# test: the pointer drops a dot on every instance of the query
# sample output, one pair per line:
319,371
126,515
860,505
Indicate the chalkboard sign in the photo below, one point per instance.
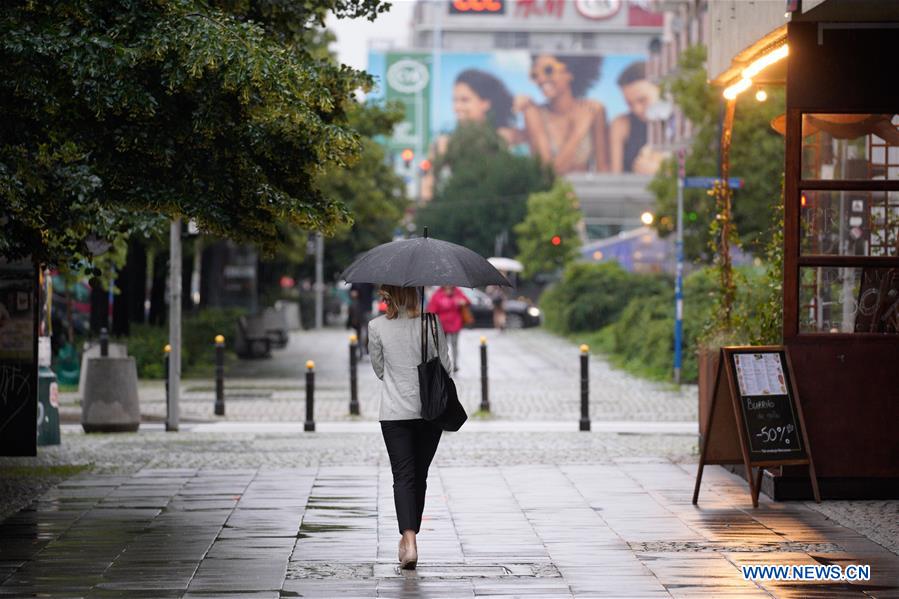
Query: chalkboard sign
755,417
772,427
18,359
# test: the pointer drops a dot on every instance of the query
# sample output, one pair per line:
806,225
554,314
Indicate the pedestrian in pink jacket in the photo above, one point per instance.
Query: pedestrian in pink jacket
447,303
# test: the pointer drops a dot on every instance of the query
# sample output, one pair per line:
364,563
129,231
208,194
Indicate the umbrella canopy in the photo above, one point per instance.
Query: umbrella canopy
421,262
506,264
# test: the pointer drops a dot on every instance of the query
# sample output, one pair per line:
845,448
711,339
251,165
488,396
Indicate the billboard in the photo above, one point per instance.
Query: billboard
577,113
405,77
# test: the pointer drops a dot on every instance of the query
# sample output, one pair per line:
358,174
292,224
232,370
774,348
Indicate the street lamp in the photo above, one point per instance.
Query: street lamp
679,278
646,218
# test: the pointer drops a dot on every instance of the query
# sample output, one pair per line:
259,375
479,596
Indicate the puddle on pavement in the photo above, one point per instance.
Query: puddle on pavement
321,570
735,547
309,530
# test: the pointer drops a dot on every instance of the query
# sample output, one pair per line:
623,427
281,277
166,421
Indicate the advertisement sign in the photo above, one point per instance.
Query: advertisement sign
487,7
578,113
405,77
601,14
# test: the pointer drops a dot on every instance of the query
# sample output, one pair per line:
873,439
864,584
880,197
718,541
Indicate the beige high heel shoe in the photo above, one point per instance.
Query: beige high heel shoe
408,557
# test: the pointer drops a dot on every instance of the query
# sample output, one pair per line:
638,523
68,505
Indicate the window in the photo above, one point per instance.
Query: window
848,224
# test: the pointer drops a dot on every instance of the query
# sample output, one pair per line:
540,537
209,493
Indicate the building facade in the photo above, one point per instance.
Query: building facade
512,52
685,24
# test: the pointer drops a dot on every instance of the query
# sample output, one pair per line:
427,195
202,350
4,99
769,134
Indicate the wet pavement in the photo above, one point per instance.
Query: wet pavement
519,503
620,527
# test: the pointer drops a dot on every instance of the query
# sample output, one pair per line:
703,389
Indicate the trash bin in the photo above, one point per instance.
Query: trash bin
47,407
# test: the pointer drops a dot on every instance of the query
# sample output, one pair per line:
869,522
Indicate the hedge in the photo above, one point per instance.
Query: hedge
146,342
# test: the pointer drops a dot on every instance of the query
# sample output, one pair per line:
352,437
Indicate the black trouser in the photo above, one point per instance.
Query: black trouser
411,445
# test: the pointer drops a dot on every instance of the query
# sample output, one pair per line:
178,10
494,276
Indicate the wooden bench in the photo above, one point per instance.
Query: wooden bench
275,322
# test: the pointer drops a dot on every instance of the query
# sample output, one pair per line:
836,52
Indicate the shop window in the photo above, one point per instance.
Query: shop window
849,223
849,300
850,146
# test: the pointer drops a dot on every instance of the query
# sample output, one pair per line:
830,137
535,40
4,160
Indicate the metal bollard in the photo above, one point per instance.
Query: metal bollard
485,398
354,382
219,375
585,387
309,425
104,342
165,367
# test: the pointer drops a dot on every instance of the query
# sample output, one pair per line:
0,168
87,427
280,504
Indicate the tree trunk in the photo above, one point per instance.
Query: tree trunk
99,306
130,282
136,302
157,291
187,272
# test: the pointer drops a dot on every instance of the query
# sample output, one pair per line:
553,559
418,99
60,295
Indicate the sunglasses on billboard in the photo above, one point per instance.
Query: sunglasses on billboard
546,71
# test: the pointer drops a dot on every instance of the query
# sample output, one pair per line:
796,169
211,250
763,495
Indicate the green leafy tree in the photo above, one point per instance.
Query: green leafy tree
550,214
118,113
373,193
485,193
756,157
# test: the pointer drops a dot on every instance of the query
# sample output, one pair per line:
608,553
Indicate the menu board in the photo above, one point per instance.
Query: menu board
760,374
755,417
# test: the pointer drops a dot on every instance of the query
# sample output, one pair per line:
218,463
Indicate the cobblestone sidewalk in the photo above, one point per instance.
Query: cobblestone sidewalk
533,376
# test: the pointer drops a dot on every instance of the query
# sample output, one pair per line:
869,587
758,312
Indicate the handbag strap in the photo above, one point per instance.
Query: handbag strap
424,337
428,322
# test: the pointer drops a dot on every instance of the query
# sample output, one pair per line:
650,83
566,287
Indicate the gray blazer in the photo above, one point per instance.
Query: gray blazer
395,350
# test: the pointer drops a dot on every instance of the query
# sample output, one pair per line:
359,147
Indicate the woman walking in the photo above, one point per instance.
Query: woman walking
394,343
447,303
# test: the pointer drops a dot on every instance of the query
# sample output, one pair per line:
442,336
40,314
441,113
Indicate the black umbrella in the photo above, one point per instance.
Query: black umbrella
421,262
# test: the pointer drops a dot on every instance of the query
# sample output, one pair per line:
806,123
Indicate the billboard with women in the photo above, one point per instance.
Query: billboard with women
578,113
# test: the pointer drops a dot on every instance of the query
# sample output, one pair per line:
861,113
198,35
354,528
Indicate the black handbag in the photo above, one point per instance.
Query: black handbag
439,400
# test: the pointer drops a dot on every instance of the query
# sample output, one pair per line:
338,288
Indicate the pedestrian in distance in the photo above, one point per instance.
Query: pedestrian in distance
361,297
395,346
498,299
448,303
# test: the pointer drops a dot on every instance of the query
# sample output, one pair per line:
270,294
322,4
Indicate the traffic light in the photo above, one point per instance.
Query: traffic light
556,240
407,155
425,165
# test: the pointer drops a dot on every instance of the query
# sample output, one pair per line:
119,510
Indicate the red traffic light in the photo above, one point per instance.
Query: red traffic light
407,155
425,165
556,240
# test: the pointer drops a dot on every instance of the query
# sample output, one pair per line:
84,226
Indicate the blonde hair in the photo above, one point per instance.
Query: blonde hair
400,298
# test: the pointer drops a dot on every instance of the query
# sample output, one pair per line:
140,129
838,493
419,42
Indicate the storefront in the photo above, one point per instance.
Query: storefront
841,236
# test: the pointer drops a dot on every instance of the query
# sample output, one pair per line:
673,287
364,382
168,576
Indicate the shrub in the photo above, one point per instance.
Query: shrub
641,340
591,296
146,342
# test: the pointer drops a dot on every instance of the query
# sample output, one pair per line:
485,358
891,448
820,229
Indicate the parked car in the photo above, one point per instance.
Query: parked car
520,313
